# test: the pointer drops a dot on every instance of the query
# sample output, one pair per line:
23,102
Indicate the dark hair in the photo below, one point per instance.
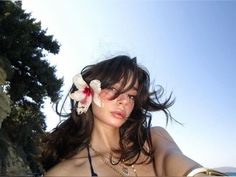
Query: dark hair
74,134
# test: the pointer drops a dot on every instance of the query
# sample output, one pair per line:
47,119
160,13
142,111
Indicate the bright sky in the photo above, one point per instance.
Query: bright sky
189,48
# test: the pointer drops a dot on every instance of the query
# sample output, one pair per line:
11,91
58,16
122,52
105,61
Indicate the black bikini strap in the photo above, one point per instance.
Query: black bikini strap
90,163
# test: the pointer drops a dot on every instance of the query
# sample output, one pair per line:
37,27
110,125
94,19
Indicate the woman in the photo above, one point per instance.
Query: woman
108,132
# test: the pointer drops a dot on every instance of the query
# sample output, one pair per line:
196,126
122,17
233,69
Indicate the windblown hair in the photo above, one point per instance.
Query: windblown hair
74,134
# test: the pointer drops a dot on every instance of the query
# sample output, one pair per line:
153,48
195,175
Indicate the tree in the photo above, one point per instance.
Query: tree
4,112
29,78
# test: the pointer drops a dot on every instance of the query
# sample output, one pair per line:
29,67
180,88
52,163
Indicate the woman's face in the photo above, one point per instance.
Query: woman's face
114,112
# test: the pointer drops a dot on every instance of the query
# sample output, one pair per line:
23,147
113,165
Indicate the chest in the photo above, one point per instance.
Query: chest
103,167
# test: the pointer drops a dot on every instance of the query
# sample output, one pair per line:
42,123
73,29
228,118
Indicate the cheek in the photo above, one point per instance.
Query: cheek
95,109
106,95
130,107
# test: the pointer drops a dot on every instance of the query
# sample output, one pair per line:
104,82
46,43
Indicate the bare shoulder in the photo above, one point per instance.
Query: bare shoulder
70,167
162,140
170,159
159,131
60,169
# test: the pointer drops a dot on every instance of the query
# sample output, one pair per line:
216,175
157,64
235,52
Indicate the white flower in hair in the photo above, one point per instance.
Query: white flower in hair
85,94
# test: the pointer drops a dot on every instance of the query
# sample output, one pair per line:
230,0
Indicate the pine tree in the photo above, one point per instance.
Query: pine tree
24,47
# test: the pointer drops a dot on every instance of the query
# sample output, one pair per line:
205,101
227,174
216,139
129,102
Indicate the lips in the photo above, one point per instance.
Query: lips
118,114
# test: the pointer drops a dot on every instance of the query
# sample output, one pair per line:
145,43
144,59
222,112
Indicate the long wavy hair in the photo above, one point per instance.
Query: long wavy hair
74,134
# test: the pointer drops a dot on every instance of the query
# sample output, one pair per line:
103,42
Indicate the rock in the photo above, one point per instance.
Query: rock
14,164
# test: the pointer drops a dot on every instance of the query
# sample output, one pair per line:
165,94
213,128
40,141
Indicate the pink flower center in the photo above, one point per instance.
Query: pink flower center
87,91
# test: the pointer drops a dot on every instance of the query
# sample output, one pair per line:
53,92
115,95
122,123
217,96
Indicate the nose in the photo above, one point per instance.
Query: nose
123,99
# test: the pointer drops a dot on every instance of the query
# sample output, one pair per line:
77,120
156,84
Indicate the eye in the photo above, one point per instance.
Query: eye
132,97
114,90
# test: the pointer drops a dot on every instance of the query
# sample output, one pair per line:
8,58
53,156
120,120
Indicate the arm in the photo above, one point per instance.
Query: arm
168,158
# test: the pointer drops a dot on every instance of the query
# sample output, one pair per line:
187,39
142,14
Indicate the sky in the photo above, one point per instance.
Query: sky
189,48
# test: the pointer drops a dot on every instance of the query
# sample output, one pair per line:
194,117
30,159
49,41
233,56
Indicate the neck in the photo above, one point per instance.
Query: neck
104,137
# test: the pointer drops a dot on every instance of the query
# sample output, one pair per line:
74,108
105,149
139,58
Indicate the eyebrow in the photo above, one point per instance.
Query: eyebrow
135,88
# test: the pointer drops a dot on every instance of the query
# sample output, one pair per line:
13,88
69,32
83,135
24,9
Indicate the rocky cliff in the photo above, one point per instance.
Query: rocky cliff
13,164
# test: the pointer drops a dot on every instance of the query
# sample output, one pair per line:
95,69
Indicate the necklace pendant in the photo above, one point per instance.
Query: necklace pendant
125,171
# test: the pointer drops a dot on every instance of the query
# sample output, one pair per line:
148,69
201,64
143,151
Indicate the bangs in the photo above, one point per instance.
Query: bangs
120,69
116,70
128,81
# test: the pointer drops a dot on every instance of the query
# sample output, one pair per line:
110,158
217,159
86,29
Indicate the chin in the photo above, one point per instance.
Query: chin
117,124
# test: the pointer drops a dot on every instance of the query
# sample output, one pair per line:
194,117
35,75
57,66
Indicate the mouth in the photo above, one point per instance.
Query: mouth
118,114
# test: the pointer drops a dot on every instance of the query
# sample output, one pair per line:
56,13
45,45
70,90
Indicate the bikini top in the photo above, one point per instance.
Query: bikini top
93,173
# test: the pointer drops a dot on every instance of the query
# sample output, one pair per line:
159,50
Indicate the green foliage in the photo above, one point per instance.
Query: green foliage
29,78
24,44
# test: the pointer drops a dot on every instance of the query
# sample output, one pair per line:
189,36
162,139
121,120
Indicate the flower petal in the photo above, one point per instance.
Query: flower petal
96,86
83,95
84,104
79,82
97,100
77,95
